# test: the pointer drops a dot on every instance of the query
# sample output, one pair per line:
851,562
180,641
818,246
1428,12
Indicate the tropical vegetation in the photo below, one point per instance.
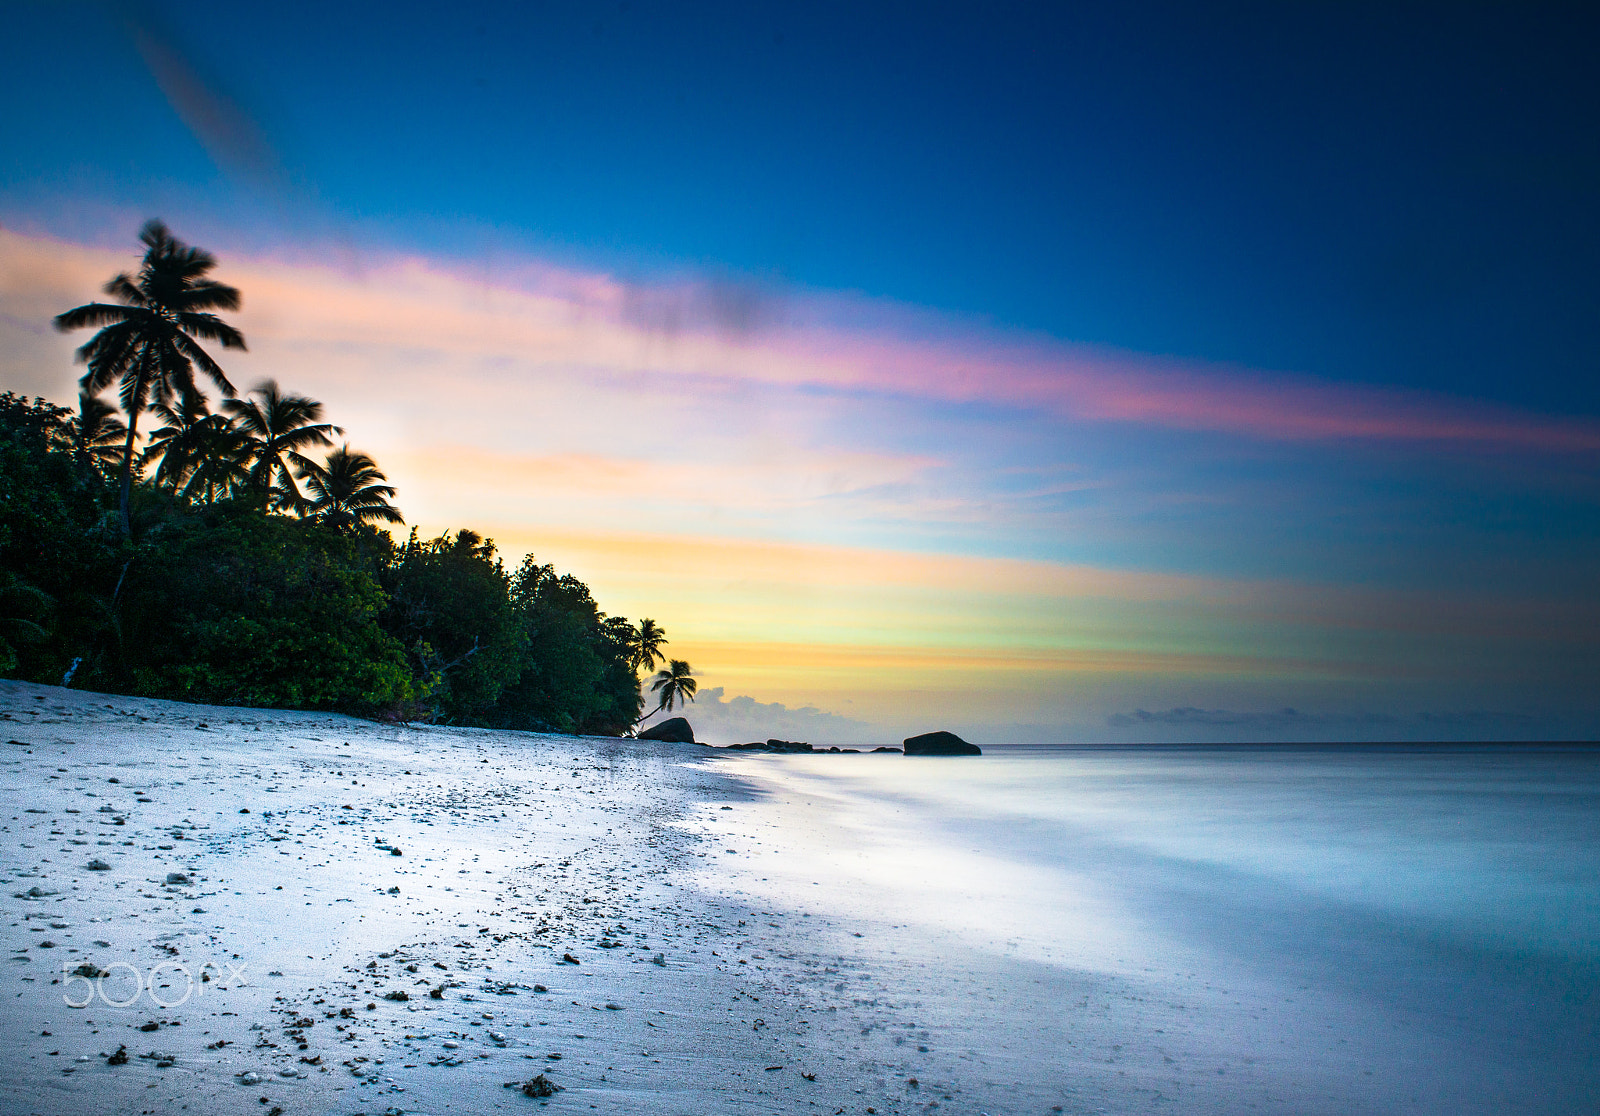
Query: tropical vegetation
234,554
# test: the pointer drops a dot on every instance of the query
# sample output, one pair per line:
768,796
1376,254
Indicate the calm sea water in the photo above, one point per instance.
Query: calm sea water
1358,928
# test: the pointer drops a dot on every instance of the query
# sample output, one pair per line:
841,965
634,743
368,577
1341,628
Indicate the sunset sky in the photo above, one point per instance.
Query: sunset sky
1113,373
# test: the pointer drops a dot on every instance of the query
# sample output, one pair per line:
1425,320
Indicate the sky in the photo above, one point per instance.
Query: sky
1040,372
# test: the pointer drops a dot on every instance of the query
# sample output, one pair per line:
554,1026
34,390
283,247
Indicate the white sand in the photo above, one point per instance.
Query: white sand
514,849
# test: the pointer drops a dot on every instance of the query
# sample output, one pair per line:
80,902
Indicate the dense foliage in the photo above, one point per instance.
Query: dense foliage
224,600
210,558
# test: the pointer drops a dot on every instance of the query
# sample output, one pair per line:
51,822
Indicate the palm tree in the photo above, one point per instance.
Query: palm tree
278,427
647,641
148,340
201,455
348,490
674,684
95,433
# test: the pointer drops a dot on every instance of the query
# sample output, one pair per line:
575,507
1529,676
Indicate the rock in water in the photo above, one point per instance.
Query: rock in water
940,744
674,730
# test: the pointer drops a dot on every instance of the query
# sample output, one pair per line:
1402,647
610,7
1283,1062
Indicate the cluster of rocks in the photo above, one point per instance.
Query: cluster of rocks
677,730
784,746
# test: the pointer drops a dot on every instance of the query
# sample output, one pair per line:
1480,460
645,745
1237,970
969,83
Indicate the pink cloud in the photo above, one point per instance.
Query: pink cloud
538,320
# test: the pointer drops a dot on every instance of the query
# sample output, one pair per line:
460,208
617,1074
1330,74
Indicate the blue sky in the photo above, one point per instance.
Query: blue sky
1292,295
1387,193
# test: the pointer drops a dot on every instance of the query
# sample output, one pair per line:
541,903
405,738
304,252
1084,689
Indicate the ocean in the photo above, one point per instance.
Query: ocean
1330,928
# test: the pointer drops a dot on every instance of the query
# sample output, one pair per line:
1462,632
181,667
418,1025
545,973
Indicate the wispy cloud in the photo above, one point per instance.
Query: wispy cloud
539,321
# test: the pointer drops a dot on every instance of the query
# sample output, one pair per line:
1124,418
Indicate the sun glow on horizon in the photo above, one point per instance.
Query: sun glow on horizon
879,512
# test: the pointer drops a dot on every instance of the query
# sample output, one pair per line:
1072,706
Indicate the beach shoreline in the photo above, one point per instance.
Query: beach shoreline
298,885
377,919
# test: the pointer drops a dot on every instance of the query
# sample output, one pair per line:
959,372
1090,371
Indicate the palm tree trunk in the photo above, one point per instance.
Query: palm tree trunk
127,472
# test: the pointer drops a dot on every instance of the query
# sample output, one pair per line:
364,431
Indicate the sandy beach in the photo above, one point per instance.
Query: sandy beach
275,912
308,913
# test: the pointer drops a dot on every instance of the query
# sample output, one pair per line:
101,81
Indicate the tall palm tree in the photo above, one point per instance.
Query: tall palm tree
201,456
348,490
647,641
278,427
674,684
96,433
149,341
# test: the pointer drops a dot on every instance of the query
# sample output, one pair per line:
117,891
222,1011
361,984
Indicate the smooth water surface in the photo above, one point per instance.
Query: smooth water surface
1408,928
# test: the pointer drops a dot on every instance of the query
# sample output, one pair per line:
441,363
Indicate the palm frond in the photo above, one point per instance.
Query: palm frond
208,294
92,314
211,328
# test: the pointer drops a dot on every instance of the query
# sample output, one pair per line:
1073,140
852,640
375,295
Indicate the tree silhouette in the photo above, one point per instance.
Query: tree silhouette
96,434
348,490
647,642
277,427
674,684
201,456
148,341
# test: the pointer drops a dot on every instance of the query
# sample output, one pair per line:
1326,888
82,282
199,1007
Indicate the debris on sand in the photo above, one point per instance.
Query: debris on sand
538,1086
120,1058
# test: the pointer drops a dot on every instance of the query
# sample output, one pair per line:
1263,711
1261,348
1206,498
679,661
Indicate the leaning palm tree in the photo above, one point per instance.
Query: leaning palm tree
348,490
647,641
96,433
199,455
148,341
278,427
674,684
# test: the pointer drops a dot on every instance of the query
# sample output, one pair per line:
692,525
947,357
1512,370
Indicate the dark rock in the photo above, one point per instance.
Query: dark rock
674,730
896,751
541,1086
788,746
940,744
